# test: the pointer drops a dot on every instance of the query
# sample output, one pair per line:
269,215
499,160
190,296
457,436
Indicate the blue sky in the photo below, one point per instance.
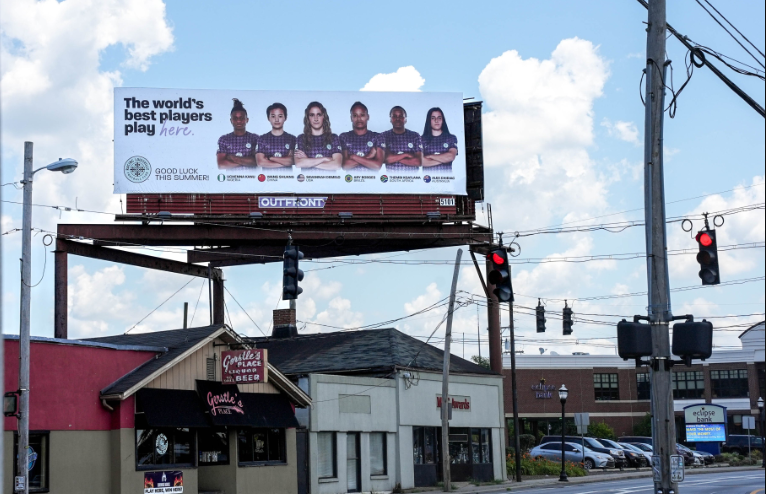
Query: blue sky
566,148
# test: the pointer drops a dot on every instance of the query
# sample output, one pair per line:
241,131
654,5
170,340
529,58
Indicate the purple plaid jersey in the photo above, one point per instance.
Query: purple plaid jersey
239,146
408,142
275,146
319,149
360,145
437,145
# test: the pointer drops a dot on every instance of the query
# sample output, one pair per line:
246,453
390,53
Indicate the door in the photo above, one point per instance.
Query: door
302,460
353,463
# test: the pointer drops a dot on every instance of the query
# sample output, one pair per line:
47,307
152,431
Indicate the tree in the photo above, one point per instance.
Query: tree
601,430
644,428
479,360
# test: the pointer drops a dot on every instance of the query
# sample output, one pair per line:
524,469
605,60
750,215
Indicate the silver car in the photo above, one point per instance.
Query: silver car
573,452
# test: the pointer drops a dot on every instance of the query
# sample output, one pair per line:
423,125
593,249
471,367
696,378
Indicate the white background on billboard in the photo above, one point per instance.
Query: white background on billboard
192,149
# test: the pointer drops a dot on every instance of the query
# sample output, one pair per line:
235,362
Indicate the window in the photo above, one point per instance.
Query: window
378,453
480,446
213,446
424,445
327,466
551,447
688,385
210,369
643,386
261,446
729,383
39,480
164,447
606,387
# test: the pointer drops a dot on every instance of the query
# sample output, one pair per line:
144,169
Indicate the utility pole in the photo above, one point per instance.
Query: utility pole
445,379
516,431
663,417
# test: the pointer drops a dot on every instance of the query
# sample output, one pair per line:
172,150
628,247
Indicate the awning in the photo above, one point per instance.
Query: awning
226,406
171,408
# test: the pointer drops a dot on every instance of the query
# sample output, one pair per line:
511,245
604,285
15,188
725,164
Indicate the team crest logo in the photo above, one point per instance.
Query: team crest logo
369,144
384,178
349,178
301,177
383,144
427,179
445,145
287,146
409,145
137,169
329,146
248,145
261,177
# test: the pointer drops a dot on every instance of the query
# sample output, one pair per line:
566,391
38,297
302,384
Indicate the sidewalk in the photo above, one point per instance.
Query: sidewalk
465,487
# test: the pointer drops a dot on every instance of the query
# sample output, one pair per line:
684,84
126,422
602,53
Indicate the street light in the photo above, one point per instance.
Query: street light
563,393
66,165
763,434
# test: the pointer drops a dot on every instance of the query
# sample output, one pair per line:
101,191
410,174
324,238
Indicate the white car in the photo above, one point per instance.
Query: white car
574,453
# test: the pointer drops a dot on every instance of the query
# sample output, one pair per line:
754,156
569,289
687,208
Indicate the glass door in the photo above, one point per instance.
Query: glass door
353,464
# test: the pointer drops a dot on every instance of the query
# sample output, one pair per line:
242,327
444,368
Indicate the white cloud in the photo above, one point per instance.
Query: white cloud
625,131
404,79
56,94
93,303
338,313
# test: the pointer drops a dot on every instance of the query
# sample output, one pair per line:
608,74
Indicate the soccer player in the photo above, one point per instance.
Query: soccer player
317,149
275,148
404,149
361,147
237,148
439,146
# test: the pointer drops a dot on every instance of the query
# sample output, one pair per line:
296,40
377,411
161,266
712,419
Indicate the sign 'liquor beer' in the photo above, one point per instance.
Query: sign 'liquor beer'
244,366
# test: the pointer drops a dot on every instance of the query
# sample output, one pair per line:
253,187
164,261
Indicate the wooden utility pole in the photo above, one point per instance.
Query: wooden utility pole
445,408
663,417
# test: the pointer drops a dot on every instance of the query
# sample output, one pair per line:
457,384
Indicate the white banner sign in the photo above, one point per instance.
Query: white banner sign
237,141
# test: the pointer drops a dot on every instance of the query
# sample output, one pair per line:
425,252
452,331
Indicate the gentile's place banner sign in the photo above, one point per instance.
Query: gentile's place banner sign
237,141
244,366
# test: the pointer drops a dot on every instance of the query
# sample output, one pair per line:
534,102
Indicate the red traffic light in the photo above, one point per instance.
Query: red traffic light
497,258
704,239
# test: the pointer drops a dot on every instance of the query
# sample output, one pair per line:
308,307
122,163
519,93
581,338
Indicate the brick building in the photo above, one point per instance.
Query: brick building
616,392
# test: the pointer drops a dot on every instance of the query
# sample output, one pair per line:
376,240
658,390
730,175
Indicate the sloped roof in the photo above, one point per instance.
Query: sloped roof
372,351
178,342
755,327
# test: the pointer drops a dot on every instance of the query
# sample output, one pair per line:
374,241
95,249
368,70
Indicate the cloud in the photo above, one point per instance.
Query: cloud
625,131
93,303
404,79
56,94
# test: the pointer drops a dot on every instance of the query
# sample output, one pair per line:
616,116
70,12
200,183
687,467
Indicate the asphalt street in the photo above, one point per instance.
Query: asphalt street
747,482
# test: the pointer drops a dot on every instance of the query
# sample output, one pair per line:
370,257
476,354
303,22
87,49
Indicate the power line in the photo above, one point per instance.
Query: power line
163,303
243,310
729,32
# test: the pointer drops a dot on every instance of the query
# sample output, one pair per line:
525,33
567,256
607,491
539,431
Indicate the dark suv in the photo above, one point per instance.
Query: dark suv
737,443
636,439
594,444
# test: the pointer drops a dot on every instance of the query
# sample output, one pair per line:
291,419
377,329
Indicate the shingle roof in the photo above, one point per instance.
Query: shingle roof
372,351
176,341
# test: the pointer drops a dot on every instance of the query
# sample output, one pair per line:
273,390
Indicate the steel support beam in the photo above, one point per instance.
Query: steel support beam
219,316
60,309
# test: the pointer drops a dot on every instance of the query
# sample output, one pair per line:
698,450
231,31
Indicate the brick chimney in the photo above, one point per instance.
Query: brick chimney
284,324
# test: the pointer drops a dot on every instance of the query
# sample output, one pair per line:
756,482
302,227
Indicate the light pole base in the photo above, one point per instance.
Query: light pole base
563,477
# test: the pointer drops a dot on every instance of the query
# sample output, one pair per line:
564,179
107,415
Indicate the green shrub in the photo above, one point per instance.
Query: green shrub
601,430
527,441
541,466
643,428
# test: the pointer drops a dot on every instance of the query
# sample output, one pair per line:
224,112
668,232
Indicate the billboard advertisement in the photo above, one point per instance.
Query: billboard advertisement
705,433
238,141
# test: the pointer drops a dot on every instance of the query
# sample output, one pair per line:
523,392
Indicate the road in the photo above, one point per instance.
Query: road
747,482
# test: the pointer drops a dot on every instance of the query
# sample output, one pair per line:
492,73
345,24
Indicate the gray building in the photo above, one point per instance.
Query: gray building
375,422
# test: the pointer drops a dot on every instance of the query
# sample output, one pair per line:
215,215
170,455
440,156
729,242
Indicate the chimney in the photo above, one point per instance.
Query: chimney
284,324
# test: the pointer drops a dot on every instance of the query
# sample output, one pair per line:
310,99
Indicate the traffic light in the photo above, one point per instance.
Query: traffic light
500,275
634,340
693,340
540,317
291,274
708,257
567,320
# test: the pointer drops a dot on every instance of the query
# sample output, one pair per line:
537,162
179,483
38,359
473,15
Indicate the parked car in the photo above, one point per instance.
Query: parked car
707,458
636,439
647,454
737,443
573,452
647,448
635,459
697,458
689,459
591,443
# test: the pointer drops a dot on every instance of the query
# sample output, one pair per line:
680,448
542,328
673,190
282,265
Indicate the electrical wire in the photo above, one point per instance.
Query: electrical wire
163,303
243,310
729,32
202,286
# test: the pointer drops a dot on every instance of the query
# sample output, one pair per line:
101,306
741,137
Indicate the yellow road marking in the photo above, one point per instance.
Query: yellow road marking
757,491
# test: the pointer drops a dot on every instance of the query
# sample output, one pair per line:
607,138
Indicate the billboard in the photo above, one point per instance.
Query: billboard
705,433
238,141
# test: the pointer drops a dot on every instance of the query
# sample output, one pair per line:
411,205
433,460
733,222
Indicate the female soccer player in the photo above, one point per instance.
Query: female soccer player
361,146
237,149
439,146
275,148
317,148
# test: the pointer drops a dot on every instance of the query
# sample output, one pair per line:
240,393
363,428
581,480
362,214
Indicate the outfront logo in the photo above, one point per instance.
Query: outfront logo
137,169
221,177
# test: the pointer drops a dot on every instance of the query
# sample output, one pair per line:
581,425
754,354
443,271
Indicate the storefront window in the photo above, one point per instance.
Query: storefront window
688,385
257,446
458,446
213,446
606,387
378,448
480,446
327,466
37,455
417,445
164,446
642,385
729,383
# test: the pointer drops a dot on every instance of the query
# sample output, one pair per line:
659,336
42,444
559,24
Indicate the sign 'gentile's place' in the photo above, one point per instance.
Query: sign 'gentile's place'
244,366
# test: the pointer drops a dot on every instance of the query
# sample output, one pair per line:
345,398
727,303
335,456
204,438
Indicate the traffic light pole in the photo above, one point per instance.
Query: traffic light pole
663,417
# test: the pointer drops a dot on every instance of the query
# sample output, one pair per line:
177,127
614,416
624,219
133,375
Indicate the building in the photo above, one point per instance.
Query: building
121,413
614,391
375,422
